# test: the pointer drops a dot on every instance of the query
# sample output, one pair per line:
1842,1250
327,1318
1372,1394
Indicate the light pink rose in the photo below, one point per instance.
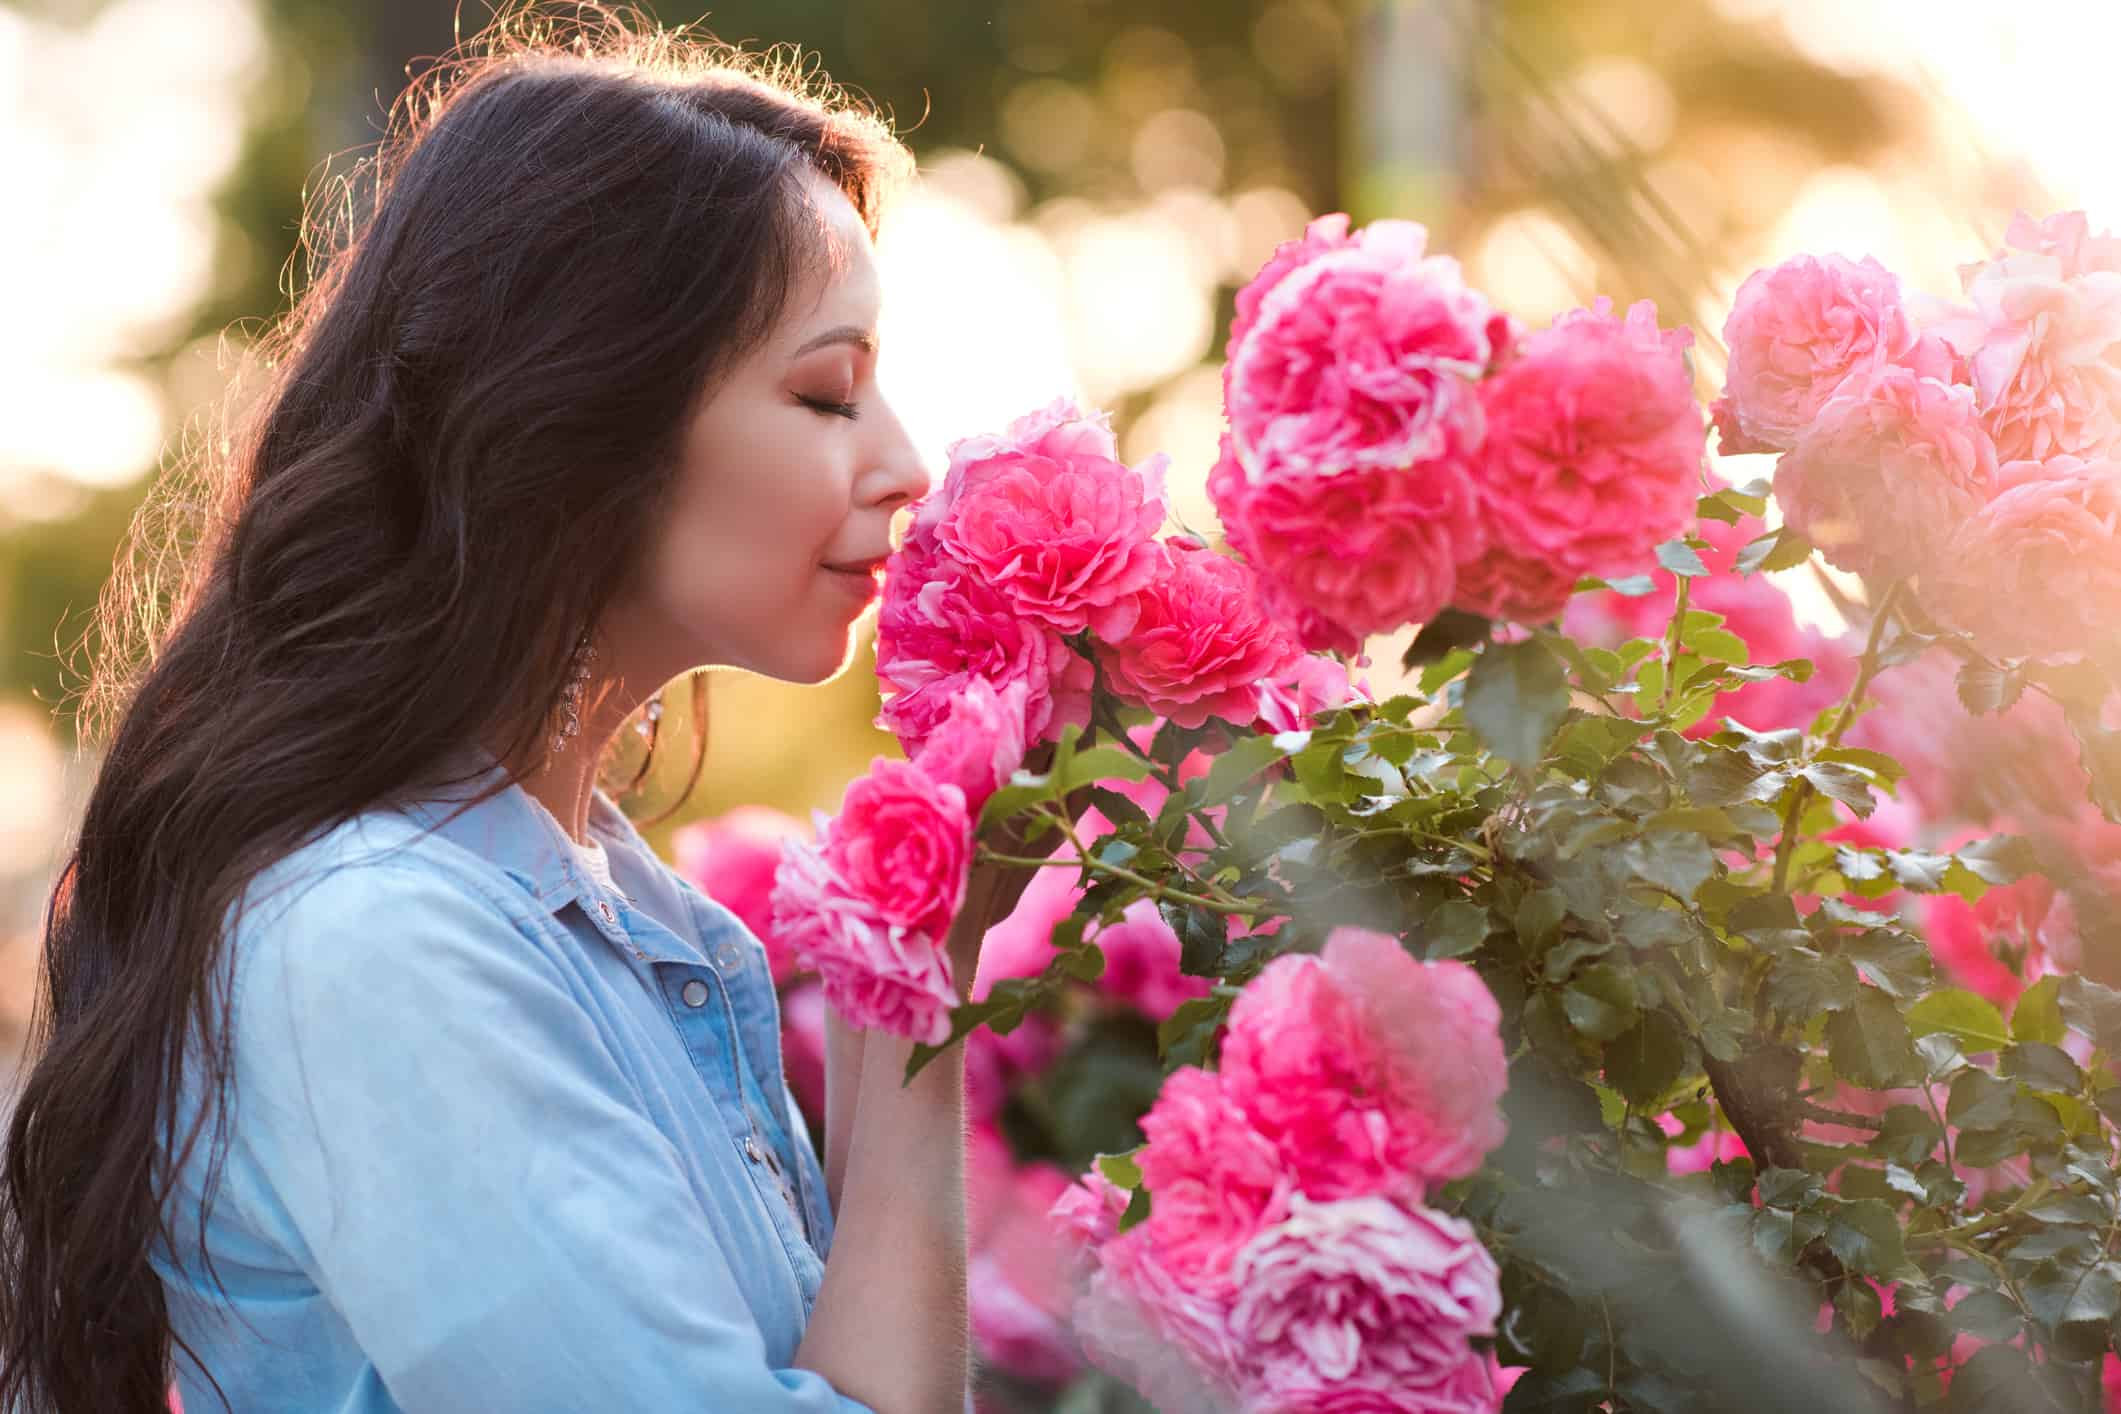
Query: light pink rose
1887,473
1800,331
1088,1213
1201,642
942,627
980,743
731,859
1050,520
903,841
876,974
1307,691
1361,352
1441,1024
803,1047
1593,457
2042,340
2057,527
1342,557
1158,1332
1363,1294
1141,963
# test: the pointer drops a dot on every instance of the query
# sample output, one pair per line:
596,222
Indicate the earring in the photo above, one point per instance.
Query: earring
571,700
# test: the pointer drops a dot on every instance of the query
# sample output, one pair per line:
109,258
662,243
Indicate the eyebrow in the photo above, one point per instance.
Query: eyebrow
841,334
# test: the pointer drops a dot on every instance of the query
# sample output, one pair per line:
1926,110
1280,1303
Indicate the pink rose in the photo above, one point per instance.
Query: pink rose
1359,352
1141,963
2043,340
1345,556
1593,457
1441,1024
1309,689
1088,1213
980,743
1159,1333
1048,518
1213,1180
731,859
876,974
803,1047
1799,332
1363,1294
1301,1063
1887,473
1200,644
942,627
2058,526
903,841
2007,940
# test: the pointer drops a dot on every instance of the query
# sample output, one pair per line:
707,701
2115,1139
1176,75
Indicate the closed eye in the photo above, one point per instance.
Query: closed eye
827,405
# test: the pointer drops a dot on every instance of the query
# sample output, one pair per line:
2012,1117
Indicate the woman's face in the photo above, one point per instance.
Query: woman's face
789,476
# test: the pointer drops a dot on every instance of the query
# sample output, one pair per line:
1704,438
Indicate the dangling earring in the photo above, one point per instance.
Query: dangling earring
648,729
585,653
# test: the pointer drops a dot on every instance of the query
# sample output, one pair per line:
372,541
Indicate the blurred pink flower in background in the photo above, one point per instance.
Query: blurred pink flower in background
1798,332
731,859
1887,472
2036,572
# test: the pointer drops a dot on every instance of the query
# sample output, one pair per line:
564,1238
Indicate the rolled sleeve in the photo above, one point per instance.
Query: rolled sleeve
461,1166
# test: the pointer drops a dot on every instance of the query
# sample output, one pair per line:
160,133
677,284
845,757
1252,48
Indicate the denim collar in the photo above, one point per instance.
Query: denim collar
515,831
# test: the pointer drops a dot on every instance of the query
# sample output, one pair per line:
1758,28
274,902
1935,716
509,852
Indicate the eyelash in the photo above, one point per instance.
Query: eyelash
826,405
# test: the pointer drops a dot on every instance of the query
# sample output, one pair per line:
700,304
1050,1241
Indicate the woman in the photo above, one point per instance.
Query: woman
383,1066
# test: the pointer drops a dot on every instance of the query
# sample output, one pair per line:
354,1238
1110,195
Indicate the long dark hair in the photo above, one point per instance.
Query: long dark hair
468,422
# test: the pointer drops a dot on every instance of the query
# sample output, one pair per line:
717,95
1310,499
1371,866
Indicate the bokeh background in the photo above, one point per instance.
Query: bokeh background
1098,176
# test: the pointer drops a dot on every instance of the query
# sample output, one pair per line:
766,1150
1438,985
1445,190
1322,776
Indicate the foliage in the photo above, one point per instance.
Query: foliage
1677,949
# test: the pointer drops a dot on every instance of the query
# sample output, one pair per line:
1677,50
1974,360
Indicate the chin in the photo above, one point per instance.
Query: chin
824,662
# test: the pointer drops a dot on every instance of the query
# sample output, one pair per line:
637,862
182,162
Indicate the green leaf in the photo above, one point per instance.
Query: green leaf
1869,1044
1984,688
1137,1209
1973,1020
1516,696
2038,1014
1453,929
1444,669
1681,862
2091,1010
1865,1235
1116,807
1187,1035
1679,557
1448,632
1202,935
1896,963
1099,763
1779,549
2043,1067
1120,1169
1246,758
1644,1061
1600,1002
1843,783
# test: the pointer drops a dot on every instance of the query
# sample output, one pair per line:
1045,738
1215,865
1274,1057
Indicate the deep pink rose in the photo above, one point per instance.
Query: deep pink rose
1441,1024
1309,689
980,743
1141,963
2057,527
1201,642
1345,556
1798,332
1593,457
903,841
876,974
942,627
1887,473
1364,1294
1213,1180
1050,520
2011,938
731,859
1360,352
803,1047
2043,340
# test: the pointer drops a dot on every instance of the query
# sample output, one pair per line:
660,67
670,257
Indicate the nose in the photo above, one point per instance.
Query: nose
897,475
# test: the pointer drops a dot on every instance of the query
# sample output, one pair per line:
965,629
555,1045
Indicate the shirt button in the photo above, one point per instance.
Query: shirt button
695,993
752,1150
727,956
604,908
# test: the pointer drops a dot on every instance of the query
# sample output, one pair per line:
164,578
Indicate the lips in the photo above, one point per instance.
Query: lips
858,567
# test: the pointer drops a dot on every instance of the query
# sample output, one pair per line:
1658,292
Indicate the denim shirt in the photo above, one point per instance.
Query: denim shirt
499,1138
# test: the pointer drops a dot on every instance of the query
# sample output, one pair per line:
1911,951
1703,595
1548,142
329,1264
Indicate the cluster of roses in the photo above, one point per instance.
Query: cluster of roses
1969,447
1396,446
1287,1260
